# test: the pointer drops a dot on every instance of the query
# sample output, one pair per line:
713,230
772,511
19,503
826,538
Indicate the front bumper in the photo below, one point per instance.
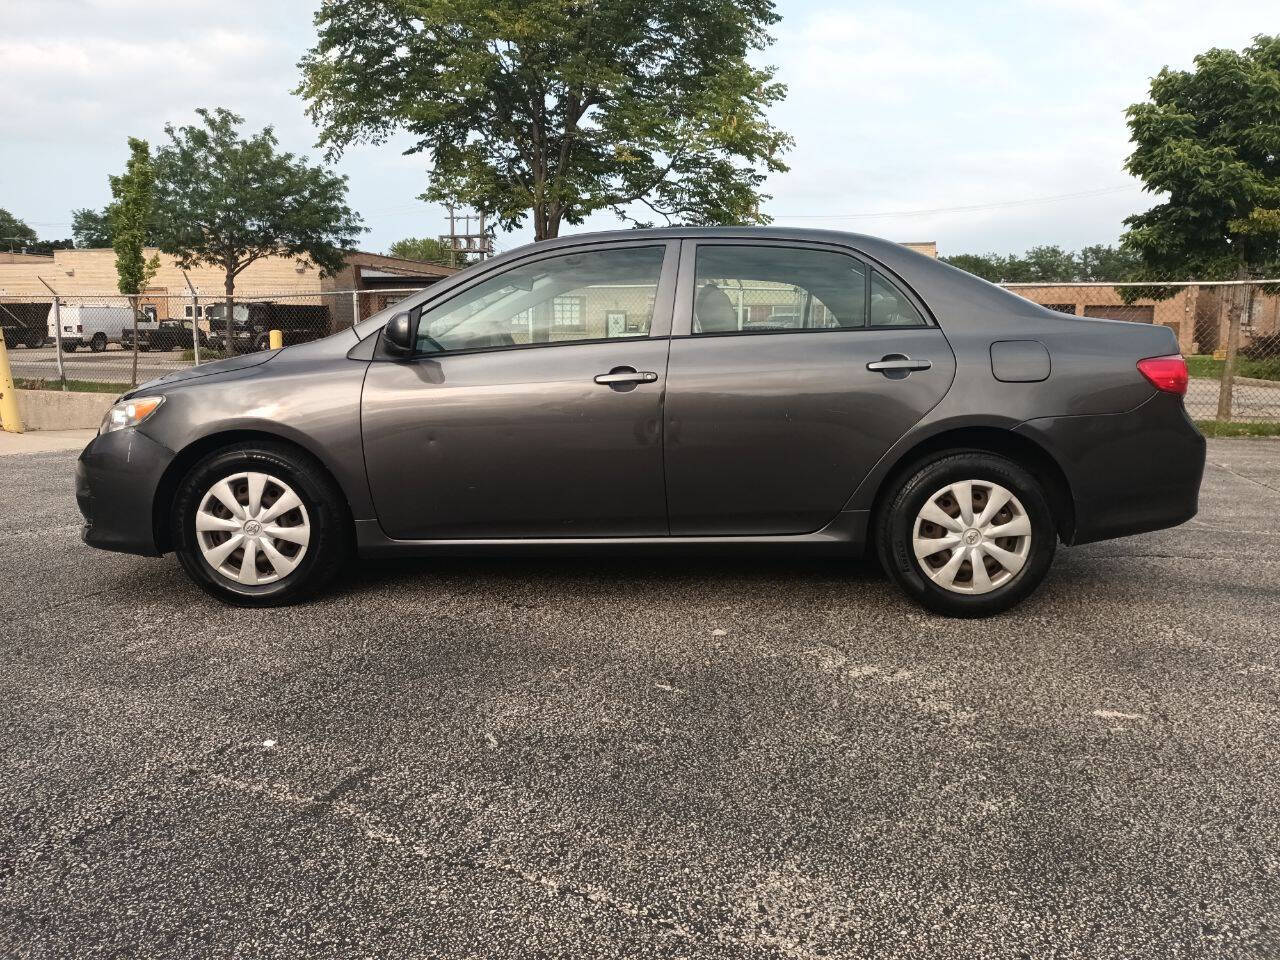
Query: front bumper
117,476
1128,472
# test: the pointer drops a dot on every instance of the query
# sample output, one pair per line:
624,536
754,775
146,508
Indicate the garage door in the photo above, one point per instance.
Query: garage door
1122,312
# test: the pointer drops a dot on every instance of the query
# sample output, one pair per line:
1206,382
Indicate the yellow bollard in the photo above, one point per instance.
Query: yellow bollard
277,339
9,419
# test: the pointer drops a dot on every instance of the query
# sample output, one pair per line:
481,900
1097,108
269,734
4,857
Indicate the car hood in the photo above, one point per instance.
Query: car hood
206,370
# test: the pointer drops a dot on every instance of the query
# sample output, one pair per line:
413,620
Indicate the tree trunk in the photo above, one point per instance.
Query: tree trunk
230,307
133,379
1241,296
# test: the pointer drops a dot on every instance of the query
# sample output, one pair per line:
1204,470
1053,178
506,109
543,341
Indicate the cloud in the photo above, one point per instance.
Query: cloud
893,108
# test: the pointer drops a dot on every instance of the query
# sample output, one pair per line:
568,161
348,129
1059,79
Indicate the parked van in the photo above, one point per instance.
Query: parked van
89,324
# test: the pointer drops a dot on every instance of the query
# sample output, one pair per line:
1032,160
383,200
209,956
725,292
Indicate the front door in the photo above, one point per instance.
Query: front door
532,407
798,368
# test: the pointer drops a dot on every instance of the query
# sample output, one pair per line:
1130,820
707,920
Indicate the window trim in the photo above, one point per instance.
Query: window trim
659,328
682,325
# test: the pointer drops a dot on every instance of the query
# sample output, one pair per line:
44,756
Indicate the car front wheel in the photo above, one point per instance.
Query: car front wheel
260,525
968,534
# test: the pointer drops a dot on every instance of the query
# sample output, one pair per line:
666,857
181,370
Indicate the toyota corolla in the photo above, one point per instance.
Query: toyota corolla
701,389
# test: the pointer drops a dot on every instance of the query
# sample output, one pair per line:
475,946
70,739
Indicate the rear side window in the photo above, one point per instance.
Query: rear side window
746,289
890,306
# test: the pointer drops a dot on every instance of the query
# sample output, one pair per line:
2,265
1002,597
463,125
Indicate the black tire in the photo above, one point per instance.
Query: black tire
98,342
35,340
896,519
262,343
327,551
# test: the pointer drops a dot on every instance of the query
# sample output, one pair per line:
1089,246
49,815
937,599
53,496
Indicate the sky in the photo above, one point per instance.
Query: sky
984,126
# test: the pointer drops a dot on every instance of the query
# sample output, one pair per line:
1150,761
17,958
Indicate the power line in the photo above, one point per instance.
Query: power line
968,208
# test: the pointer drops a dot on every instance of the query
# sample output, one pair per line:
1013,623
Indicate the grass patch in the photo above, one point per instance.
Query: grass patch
206,355
1235,428
77,386
1204,365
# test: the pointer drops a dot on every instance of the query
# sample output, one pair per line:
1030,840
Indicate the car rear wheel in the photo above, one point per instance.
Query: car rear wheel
260,525
967,534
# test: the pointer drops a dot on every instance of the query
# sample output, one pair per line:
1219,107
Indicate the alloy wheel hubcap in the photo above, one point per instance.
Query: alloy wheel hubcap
972,537
252,528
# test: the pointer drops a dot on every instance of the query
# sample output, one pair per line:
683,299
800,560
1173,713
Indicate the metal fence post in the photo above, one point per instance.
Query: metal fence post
355,307
195,319
57,331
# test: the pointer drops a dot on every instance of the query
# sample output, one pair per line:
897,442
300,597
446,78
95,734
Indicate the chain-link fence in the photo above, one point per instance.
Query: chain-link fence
1228,331
108,343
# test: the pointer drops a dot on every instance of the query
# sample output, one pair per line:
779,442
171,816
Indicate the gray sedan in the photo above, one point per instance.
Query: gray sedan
700,389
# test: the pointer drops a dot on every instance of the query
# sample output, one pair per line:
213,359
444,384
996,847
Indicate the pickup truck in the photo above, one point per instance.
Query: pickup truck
162,335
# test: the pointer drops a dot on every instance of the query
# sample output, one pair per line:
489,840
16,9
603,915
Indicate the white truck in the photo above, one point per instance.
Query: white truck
89,324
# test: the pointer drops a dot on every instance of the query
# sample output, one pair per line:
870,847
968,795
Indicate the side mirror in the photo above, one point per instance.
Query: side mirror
398,334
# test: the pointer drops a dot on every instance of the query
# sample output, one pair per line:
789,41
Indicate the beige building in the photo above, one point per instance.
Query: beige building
92,274
1198,316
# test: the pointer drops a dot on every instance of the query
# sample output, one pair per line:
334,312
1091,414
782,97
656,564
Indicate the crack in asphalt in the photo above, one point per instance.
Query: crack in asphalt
475,856
1223,466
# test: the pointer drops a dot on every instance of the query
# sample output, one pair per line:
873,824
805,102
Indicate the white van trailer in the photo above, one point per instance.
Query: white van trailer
89,324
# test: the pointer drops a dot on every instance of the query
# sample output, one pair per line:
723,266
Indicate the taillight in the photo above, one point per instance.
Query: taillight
1165,373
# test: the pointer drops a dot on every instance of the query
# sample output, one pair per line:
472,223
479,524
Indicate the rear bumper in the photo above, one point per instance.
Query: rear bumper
1128,472
116,480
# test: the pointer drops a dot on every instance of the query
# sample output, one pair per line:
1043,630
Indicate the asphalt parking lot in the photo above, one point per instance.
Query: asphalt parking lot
727,758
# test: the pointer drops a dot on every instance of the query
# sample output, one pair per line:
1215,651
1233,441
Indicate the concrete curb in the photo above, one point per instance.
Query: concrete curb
59,410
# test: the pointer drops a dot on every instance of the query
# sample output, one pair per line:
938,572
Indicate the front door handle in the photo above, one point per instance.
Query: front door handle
626,375
898,363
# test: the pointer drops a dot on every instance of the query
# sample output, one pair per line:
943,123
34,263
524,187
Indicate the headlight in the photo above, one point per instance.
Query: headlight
129,413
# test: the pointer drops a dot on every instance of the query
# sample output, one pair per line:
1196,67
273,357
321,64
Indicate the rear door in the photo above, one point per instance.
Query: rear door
793,368
533,406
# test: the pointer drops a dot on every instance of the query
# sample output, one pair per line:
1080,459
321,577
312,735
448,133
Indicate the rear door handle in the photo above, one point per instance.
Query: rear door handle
626,376
900,364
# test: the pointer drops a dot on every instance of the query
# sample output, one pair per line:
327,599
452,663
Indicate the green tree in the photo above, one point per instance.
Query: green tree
227,201
91,228
1208,140
15,233
988,266
429,249
1105,262
133,195
1050,264
555,109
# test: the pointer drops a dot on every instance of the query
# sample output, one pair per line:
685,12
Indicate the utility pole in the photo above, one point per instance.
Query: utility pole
478,244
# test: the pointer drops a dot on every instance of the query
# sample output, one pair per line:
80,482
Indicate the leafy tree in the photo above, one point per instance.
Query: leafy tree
227,201
1208,140
988,266
91,228
1050,264
131,210
1105,262
429,249
15,233
555,109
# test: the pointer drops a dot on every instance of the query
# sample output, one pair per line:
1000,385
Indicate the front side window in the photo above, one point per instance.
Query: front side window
594,295
746,289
